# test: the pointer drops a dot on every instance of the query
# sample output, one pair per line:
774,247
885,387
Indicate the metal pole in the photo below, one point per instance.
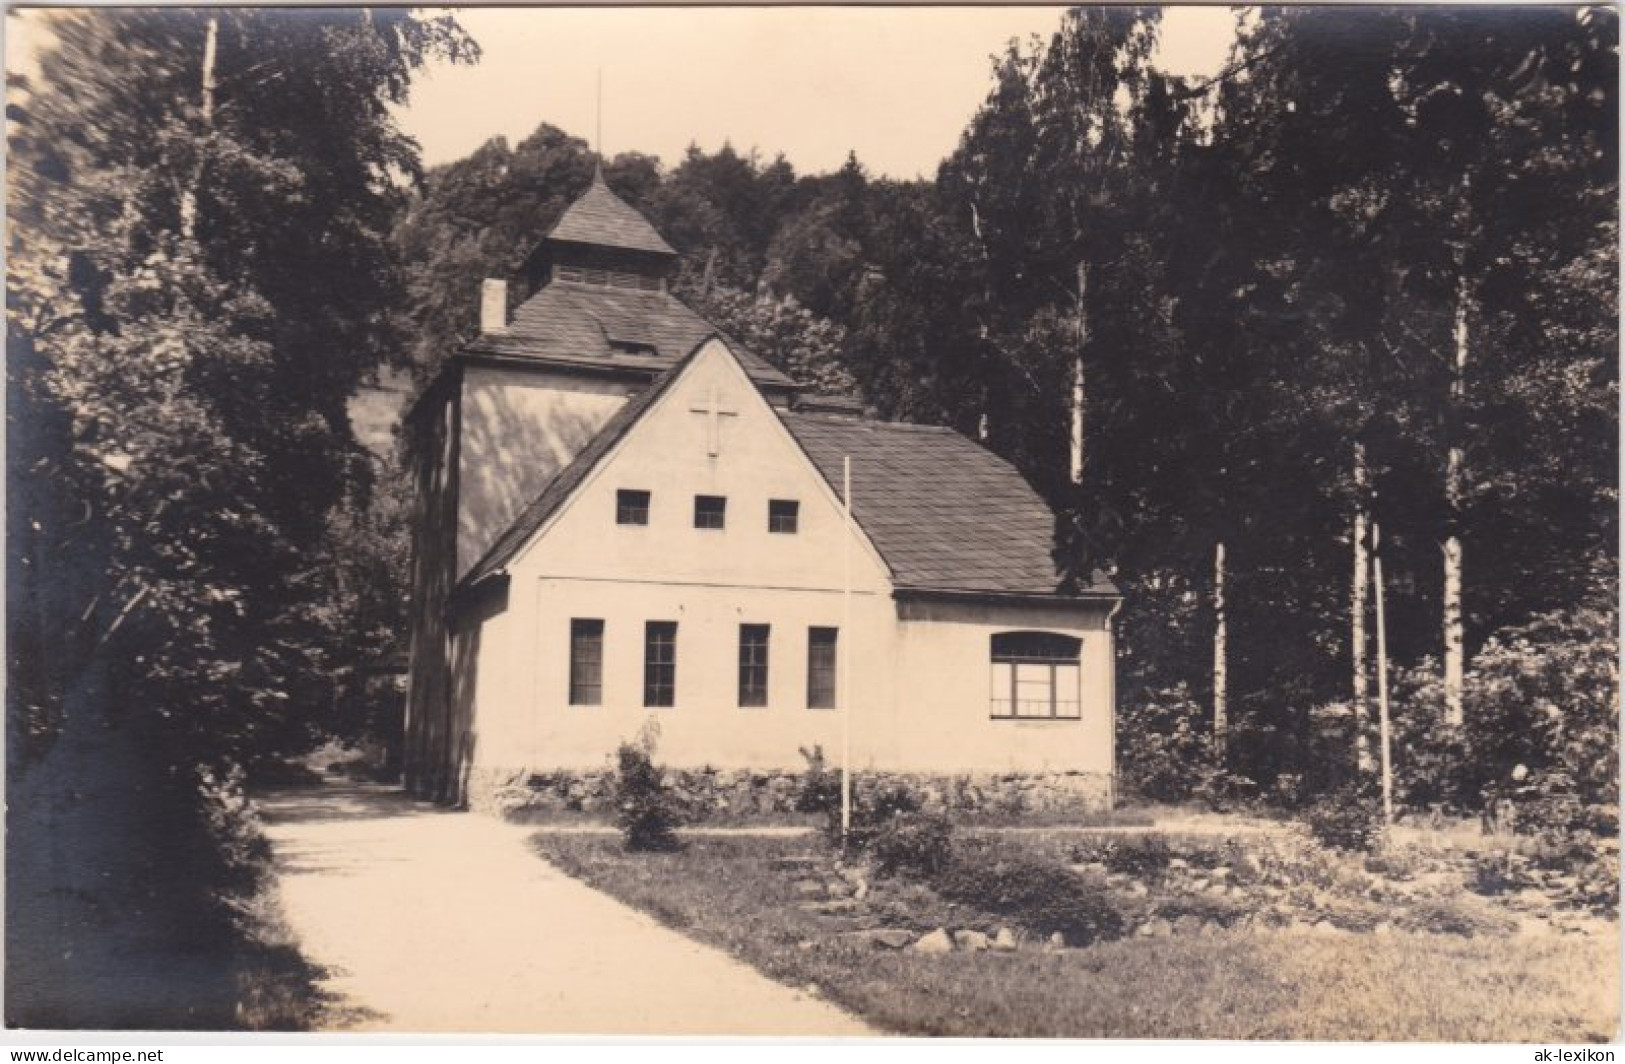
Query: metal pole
844,649
1382,678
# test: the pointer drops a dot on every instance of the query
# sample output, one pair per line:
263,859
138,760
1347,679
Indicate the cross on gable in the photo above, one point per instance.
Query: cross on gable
715,411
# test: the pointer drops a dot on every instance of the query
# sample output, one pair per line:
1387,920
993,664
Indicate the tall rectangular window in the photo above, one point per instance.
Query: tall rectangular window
783,515
586,662
660,663
631,507
710,511
753,664
821,668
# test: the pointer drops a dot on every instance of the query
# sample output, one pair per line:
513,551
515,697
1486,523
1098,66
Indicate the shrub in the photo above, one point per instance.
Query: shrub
1541,697
645,810
1145,857
1164,748
1204,907
872,809
820,789
1454,916
911,843
1349,818
1044,897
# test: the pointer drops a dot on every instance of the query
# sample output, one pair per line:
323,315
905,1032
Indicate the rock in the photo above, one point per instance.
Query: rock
935,942
1178,864
1188,924
809,888
806,944
1138,889
1324,927
1383,928
833,907
796,861
851,873
1057,941
1221,873
837,888
1158,928
1218,890
971,941
882,937
1209,928
1004,941
861,891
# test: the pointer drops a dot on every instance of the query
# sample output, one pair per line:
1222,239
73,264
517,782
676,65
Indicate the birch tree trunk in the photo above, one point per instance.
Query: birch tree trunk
1454,490
1221,664
1357,612
1385,732
1077,378
211,40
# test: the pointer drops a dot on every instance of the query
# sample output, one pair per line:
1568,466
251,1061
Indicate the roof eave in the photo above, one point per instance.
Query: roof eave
479,354
993,597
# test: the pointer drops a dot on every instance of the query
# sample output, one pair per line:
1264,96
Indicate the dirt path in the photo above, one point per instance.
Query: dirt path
436,921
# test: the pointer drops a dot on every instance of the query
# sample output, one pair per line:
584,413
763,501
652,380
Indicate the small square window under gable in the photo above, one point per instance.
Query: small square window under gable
631,507
710,511
783,515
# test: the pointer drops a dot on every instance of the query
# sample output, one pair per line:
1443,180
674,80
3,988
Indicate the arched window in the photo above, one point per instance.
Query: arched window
1036,676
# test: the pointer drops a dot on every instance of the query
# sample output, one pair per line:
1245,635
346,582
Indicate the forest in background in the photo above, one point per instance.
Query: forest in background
1337,303
1356,290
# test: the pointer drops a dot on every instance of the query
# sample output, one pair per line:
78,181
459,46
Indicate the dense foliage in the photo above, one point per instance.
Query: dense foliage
646,810
199,272
1363,276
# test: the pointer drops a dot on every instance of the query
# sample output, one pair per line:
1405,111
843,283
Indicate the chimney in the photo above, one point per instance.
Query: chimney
493,306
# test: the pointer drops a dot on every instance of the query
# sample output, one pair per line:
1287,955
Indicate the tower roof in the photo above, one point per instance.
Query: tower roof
602,218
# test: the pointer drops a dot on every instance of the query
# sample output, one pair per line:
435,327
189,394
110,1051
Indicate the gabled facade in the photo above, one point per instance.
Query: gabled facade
608,536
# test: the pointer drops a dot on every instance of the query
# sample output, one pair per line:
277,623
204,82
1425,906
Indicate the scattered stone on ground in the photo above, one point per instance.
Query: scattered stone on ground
935,942
973,941
1158,928
1004,941
884,937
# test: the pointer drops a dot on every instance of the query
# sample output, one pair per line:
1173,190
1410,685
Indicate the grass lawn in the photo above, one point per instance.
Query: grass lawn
751,897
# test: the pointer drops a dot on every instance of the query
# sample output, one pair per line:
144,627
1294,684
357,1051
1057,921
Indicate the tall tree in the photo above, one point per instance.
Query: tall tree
199,275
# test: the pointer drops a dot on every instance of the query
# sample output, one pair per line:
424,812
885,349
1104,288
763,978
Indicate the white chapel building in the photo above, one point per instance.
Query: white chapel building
623,515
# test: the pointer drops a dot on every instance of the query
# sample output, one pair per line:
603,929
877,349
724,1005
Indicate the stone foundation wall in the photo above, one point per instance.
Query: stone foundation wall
736,793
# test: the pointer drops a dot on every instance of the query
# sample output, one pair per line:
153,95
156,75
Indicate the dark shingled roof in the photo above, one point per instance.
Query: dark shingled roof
603,218
598,325
532,517
945,512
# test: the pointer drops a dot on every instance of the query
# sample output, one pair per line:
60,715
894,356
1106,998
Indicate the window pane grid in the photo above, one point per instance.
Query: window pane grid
586,662
753,665
821,658
783,515
660,663
1036,676
710,511
631,507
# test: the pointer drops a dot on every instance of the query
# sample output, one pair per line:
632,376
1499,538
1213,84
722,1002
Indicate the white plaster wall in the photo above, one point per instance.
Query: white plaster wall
944,692
519,429
921,684
708,581
525,719
666,455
